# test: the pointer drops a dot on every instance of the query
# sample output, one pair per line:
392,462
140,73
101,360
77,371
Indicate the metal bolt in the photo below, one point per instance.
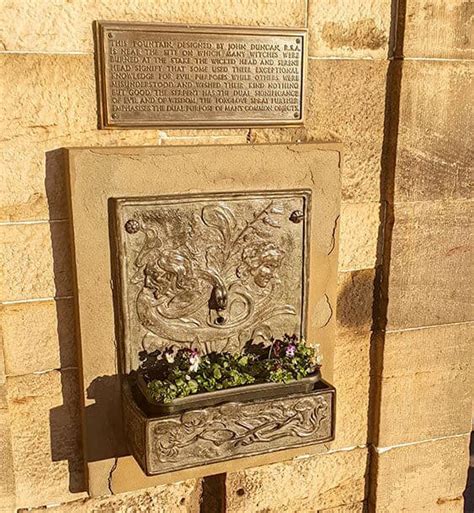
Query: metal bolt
110,35
296,216
114,116
296,115
298,41
132,226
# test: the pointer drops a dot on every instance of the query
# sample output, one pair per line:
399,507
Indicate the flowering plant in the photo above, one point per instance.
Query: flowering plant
171,374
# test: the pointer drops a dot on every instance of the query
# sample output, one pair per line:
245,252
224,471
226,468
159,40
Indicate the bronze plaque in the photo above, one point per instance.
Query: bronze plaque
212,271
199,76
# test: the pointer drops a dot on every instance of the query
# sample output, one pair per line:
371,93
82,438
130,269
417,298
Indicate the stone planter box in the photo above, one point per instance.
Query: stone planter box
200,436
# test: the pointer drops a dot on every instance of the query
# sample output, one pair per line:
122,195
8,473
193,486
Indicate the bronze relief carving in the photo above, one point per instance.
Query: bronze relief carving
233,426
231,430
211,272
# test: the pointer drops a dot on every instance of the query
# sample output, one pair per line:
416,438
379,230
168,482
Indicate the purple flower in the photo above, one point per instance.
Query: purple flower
276,347
290,350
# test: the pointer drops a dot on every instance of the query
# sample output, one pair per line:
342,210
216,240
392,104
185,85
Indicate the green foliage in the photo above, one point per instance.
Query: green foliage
173,374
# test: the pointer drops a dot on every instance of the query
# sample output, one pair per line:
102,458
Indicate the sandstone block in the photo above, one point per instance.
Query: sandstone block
426,477
35,261
182,497
203,137
45,437
349,28
351,377
429,264
309,484
426,384
358,507
67,28
7,479
439,29
38,336
435,155
359,235
54,113
345,102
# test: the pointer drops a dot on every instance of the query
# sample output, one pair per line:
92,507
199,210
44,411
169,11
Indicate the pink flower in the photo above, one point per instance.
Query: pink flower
290,350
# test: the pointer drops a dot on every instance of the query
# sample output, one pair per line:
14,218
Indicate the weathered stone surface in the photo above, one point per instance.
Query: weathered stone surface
345,102
42,112
38,336
349,28
358,507
351,377
359,235
355,300
45,436
426,477
429,264
435,155
203,137
426,384
35,261
439,29
182,497
316,482
67,28
7,480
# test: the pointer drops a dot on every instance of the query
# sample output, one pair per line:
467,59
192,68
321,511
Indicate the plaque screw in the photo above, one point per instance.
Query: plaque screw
110,35
298,41
114,116
296,115
296,216
132,226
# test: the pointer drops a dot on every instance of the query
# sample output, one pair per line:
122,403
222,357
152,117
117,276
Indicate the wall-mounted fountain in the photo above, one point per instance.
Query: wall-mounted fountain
206,278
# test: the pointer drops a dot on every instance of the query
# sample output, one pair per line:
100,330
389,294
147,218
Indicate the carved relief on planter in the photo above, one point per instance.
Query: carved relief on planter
198,437
210,271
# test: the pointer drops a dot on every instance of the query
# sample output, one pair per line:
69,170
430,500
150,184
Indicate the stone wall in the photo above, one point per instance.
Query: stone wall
389,79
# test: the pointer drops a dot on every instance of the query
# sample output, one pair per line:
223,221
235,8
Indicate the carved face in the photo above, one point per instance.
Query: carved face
263,261
169,272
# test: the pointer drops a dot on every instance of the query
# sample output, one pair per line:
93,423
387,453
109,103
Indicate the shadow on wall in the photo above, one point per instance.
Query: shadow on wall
64,420
103,417
354,301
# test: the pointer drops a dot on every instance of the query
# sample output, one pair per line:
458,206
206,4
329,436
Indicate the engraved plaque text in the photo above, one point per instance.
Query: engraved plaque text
166,75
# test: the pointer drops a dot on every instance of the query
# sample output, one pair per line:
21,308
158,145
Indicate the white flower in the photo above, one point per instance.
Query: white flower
169,357
194,360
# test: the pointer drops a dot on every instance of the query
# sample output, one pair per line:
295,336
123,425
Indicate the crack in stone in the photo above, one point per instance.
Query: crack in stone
109,480
333,236
331,311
